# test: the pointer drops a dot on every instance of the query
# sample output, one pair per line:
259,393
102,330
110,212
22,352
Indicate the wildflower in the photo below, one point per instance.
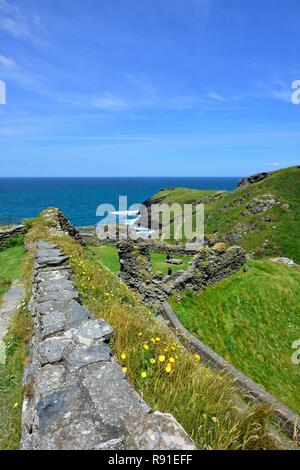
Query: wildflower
140,334
152,340
152,360
124,370
16,405
168,368
197,357
157,339
144,375
166,349
145,346
172,360
123,356
162,358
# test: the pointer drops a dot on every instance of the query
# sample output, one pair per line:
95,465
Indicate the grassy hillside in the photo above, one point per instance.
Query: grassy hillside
251,319
227,215
10,266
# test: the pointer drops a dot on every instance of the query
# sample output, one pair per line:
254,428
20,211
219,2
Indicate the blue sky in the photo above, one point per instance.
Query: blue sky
148,87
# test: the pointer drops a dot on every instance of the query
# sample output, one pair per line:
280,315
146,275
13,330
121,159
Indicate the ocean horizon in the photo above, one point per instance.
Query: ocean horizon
79,197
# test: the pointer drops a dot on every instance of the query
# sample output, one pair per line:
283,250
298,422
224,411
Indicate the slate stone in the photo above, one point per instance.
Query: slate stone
51,306
53,275
50,378
111,394
52,349
59,295
156,431
82,356
52,323
55,285
42,244
51,261
76,314
93,330
80,434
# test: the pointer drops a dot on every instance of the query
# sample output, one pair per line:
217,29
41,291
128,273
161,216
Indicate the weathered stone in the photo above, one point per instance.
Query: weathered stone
51,261
44,245
59,295
52,323
76,314
54,285
287,261
50,378
93,330
253,179
82,356
52,349
156,431
111,394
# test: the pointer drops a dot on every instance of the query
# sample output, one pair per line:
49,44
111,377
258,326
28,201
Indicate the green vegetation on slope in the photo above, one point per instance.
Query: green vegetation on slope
10,266
14,264
108,255
202,401
251,319
228,214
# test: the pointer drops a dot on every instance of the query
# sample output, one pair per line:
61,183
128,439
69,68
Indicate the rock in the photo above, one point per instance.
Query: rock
258,206
52,349
287,261
82,356
93,330
253,179
285,207
52,323
111,394
156,431
76,314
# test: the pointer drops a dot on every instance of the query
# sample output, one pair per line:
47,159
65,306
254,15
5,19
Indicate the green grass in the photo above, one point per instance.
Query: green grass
265,240
251,319
10,266
159,263
108,255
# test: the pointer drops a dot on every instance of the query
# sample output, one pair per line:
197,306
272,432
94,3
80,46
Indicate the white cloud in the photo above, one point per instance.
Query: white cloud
19,24
7,62
215,96
108,101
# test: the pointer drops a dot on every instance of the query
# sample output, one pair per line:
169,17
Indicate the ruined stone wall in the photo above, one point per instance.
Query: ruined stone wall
209,266
76,395
11,232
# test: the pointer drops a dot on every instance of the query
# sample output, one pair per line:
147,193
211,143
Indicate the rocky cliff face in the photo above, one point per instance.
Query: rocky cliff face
254,178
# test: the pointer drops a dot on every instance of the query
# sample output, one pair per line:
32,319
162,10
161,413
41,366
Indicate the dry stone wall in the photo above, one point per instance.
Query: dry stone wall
76,395
11,232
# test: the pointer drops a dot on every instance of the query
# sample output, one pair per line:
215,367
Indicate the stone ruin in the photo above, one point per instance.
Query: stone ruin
208,266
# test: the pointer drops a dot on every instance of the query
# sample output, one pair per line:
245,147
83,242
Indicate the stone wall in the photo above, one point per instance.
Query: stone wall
58,224
76,395
11,232
209,266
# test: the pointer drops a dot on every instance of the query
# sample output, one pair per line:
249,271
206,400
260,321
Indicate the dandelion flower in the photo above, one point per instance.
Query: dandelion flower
152,360
16,405
123,356
172,360
124,370
157,339
197,357
144,375
162,358
145,346
152,340
168,368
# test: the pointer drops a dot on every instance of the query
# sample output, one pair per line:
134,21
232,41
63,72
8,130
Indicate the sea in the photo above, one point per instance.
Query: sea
79,198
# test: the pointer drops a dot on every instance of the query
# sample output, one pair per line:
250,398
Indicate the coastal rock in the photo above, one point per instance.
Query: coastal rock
253,179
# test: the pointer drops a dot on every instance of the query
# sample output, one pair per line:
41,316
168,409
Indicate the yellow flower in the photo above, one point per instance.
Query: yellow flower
168,368
162,358
16,405
172,360
123,356
152,360
157,339
140,334
144,375
197,357
145,346
152,340
124,370
166,349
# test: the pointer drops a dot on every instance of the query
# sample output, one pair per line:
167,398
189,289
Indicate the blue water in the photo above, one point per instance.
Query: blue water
79,198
